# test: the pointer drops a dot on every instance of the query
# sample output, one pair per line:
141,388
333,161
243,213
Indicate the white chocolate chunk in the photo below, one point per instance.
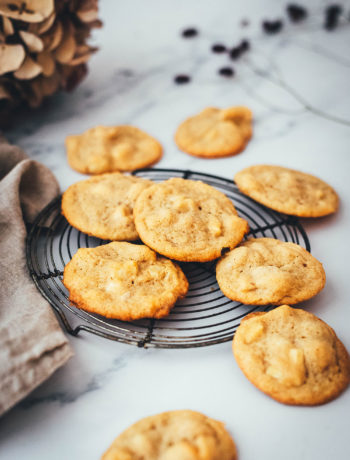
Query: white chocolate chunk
253,331
289,370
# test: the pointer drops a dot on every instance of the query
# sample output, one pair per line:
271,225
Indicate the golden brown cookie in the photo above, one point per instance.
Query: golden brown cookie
124,281
265,271
112,148
175,435
288,191
215,133
292,356
187,220
102,206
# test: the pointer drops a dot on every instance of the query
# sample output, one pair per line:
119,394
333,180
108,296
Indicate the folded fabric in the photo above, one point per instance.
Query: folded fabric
32,344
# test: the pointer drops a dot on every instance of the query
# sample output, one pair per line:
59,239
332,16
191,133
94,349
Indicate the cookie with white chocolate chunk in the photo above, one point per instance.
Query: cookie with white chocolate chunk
174,435
215,133
287,190
187,220
292,356
263,271
102,206
112,148
124,281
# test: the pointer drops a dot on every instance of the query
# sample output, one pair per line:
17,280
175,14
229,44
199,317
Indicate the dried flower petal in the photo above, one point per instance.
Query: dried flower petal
34,43
28,70
82,54
27,11
88,11
47,63
42,27
66,50
7,26
97,24
80,59
87,15
11,57
53,37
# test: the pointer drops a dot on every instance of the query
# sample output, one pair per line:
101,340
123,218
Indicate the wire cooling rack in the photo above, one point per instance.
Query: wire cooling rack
204,317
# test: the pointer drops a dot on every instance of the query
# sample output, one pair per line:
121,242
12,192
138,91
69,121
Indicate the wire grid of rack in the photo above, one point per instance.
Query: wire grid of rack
204,317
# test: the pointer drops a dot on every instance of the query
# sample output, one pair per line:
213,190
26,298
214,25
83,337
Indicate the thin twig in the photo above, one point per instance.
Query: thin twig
279,81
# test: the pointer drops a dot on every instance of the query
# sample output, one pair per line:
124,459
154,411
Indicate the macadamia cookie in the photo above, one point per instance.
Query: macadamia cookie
288,191
102,206
265,271
215,133
124,281
112,148
175,435
292,356
187,220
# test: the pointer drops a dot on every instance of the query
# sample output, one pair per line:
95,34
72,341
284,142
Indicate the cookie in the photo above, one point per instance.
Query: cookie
112,148
215,133
123,281
292,356
175,435
265,271
187,220
288,191
102,206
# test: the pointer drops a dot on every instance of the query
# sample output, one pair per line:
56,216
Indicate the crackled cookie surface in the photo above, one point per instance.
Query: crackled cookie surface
102,206
266,271
112,148
187,220
124,281
288,191
292,356
175,435
215,133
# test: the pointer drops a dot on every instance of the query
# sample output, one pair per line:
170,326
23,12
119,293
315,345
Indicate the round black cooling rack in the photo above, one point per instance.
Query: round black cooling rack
204,317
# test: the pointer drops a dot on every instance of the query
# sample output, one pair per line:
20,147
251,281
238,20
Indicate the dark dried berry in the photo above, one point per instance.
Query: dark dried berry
244,46
235,52
331,23
334,10
332,16
189,33
296,13
272,27
181,79
218,48
238,50
226,71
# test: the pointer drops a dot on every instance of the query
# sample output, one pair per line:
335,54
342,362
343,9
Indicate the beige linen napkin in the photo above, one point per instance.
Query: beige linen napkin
32,344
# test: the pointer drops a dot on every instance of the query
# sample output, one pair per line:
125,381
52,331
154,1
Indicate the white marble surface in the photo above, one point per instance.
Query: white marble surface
107,385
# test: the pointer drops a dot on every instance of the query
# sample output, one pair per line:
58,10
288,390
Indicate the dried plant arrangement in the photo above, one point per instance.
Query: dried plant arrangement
43,48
